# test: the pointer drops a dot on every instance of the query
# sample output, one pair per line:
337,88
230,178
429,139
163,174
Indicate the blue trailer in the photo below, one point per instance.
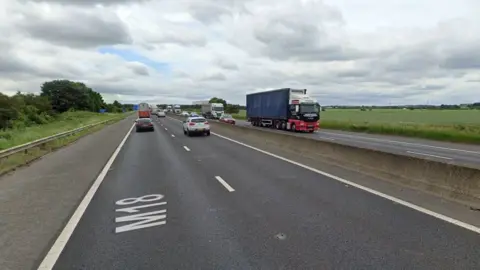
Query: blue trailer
285,109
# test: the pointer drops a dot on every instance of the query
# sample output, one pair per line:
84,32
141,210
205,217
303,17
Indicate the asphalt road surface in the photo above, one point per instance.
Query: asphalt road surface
175,202
455,153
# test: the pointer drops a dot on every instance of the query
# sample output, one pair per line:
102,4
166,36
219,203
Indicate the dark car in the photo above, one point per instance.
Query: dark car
227,118
144,124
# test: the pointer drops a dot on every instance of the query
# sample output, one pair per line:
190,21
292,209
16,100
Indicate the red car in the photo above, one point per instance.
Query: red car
144,124
227,118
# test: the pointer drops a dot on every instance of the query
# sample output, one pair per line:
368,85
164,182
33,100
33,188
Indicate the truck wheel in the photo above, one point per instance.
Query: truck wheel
310,131
277,125
293,128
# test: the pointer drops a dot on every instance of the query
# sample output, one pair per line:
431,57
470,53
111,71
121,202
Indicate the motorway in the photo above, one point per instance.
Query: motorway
455,153
170,201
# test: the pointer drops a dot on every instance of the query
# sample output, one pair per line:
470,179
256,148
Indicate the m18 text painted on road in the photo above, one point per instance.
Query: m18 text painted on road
141,220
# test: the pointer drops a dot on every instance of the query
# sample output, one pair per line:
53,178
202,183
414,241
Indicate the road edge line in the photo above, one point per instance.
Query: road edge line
54,253
364,188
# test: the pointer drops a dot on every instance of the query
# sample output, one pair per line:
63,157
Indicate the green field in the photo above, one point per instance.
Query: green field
64,122
443,125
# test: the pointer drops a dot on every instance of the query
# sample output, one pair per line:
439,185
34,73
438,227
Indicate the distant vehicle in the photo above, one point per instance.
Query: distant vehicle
169,108
144,110
177,109
227,118
143,106
196,125
286,109
144,124
185,114
160,113
194,114
144,114
212,110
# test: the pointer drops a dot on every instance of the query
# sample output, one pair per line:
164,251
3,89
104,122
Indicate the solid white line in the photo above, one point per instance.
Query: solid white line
372,191
225,184
173,135
405,143
187,149
166,129
57,248
429,155
327,138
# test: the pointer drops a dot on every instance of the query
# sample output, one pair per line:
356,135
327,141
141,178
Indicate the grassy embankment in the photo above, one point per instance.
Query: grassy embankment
63,122
442,125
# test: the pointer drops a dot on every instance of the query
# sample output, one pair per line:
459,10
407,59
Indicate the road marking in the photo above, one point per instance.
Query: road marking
405,143
187,149
166,129
369,190
57,248
429,155
173,135
225,184
327,138
134,209
143,220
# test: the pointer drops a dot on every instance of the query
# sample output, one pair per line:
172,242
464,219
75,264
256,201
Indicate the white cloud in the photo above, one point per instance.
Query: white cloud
343,51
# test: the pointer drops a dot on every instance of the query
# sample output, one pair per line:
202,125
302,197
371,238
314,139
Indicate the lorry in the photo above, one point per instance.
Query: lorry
169,108
144,110
283,109
212,110
177,109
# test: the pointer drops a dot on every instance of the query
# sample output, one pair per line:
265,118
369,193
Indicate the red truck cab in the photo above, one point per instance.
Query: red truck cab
144,114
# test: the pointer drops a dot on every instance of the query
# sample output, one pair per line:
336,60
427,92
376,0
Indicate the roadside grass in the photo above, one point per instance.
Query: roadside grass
442,125
399,116
452,133
63,122
22,158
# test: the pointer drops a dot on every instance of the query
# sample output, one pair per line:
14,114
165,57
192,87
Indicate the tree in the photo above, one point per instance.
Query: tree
232,109
7,111
65,95
218,100
96,100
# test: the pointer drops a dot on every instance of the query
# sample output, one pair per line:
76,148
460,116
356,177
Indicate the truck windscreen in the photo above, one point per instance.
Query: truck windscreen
309,108
218,109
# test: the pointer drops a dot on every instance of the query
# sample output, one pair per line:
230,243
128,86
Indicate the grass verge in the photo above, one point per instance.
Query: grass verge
63,122
452,133
22,158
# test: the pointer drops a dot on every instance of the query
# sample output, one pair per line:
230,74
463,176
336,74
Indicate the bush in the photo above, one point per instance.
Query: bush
24,110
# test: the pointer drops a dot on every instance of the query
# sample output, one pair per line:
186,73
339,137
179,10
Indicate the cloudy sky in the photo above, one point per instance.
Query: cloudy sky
164,51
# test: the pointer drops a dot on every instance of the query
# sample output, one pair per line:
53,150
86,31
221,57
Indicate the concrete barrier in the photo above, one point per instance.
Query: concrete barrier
454,182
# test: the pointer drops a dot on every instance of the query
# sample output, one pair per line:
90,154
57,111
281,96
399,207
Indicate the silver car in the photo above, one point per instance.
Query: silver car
161,114
196,125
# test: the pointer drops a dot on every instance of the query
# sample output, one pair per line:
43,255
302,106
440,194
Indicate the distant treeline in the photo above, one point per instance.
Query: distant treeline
234,108
473,106
229,108
57,96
